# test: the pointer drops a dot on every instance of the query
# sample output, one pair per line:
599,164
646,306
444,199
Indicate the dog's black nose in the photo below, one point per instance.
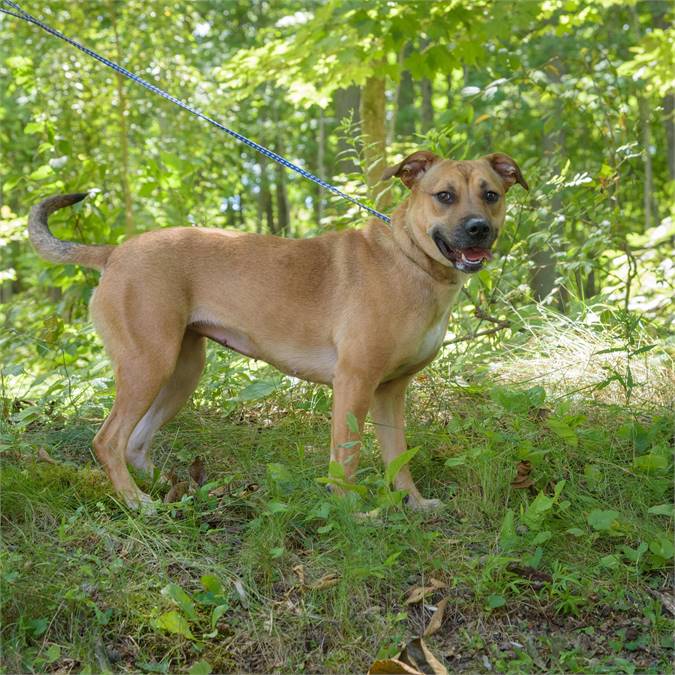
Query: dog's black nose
477,228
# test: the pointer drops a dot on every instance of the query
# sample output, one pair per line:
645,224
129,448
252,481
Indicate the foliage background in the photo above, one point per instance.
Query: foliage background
581,94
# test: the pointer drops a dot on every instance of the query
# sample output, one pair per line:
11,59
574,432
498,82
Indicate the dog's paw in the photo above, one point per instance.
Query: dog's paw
141,503
422,504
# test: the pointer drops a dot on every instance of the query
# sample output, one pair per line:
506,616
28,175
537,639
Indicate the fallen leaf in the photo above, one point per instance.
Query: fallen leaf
43,456
418,656
419,592
219,491
171,477
392,667
522,480
175,494
197,471
436,618
326,581
300,571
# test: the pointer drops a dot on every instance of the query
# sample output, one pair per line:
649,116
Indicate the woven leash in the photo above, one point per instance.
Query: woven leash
25,16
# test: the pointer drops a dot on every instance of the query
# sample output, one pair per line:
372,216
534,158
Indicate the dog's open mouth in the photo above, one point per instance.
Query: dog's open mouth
464,259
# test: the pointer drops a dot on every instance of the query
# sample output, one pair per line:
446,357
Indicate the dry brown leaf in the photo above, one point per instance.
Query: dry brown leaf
420,592
197,471
175,494
300,571
44,456
326,581
392,667
522,480
417,655
436,618
171,477
219,491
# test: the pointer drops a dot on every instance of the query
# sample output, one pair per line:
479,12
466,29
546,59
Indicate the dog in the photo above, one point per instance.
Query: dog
359,310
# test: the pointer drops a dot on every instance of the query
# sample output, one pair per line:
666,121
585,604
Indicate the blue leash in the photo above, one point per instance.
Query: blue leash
25,16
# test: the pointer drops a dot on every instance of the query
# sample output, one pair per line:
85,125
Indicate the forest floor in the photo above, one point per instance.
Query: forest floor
554,549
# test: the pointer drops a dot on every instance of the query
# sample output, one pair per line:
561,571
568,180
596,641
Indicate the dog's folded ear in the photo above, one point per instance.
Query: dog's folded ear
412,168
507,168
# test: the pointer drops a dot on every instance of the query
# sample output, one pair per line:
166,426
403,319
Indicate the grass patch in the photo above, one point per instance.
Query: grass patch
272,573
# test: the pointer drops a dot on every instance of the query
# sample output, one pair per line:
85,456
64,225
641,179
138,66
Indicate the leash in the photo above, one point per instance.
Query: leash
19,13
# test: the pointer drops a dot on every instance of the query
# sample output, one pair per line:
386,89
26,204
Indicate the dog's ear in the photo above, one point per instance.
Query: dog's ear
412,168
507,168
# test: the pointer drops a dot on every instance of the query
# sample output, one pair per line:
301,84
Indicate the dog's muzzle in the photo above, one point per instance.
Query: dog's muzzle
466,259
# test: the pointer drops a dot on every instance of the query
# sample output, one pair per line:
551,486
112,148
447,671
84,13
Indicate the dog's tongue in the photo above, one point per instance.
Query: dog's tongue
476,254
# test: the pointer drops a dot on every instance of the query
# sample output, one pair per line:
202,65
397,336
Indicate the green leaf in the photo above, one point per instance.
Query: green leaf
564,431
610,561
650,462
33,128
508,538
398,463
217,612
212,584
662,510
662,547
257,390
536,511
174,622
277,507
53,653
42,172
277,551
352,423
182,599
200,668
457,460
602,521
495,601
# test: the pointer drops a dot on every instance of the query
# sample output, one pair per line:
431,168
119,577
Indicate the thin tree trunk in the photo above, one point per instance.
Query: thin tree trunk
266,209
404,116
320,167
122,112
669,121
427,111
373,125
544,273
648,183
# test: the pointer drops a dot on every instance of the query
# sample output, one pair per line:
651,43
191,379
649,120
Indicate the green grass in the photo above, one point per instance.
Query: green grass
86,584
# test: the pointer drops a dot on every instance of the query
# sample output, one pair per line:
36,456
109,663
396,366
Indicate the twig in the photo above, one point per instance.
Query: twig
501,325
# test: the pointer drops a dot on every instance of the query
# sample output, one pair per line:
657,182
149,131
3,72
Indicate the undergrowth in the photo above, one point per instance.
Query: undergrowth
554,546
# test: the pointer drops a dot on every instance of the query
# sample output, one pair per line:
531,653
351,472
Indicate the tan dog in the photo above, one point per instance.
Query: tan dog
361,310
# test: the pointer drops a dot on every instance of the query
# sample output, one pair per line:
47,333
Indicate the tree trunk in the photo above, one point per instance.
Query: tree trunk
320,167
544,273
347,104
648,183
427,111
265,206
669,121
122,112
283,215
404,117
374,130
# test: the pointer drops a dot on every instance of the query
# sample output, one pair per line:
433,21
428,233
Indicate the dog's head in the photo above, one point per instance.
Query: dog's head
456,208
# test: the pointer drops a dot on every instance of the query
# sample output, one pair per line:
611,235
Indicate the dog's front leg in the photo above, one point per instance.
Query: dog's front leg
388,413
352,397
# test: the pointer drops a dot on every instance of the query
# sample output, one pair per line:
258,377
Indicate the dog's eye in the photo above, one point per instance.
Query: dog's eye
491,197
445,197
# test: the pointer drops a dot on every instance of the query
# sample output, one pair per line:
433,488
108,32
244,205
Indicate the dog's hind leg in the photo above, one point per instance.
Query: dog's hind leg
170,399
142,368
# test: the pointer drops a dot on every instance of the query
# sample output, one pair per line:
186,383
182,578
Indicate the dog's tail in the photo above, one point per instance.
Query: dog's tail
56,250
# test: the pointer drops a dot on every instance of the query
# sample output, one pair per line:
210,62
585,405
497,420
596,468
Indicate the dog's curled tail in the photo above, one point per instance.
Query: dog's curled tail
56,250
